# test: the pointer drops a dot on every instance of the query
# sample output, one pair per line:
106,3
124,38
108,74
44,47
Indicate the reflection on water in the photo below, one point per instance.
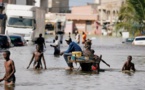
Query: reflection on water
9,88
56,77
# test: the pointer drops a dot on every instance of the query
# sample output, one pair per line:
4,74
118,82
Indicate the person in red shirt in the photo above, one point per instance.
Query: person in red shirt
84,36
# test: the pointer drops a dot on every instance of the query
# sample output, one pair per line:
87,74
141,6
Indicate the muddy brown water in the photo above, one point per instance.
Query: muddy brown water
57,78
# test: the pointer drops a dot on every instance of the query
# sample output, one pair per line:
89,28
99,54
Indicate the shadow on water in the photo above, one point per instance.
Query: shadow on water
7,87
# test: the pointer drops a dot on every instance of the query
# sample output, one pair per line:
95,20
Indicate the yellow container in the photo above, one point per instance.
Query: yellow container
77,53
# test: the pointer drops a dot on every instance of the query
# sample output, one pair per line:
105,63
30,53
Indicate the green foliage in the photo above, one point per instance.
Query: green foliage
132,16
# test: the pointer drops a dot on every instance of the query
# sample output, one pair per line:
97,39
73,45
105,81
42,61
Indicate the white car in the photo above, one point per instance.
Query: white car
139,40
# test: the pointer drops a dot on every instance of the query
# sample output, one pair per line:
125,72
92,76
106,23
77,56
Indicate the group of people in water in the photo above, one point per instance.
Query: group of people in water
10,70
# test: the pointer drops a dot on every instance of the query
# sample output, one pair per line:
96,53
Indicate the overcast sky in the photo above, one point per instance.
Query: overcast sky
79,2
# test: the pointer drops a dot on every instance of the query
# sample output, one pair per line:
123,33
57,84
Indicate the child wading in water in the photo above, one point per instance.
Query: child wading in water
9,76
38,54
128,65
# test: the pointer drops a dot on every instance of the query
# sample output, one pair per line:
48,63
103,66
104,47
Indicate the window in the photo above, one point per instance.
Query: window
24,22
137,39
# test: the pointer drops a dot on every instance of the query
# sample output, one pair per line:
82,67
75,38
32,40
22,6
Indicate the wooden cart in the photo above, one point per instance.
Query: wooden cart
85,64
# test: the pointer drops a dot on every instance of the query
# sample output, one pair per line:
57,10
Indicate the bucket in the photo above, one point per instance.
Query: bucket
77,53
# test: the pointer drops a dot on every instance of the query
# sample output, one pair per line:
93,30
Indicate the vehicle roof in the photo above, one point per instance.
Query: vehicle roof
15,35
140,37
3,35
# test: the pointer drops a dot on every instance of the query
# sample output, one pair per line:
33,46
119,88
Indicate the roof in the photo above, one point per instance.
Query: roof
15,35
140,37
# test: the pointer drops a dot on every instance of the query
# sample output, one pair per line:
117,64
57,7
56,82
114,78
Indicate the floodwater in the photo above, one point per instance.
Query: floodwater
57,78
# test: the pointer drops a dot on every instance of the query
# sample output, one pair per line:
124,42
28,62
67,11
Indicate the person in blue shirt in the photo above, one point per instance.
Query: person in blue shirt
72,47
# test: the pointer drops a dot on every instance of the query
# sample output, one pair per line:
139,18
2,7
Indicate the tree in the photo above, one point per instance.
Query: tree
132,16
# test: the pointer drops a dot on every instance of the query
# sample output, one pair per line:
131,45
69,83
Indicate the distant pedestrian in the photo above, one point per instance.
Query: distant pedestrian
84,36
77,37
9,69
37,55
41,42
128,65
69,35
56,46
61,38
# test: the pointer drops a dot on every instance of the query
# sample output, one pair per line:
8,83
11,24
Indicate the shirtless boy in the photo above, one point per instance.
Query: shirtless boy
9,76
128,65
38,54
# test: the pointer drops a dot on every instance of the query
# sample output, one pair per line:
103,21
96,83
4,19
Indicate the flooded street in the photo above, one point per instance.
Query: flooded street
57,78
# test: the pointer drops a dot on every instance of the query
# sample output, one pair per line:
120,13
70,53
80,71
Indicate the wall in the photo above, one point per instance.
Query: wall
82,10
80,25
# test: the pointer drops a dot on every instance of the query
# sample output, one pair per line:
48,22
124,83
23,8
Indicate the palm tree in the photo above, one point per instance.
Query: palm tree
132,16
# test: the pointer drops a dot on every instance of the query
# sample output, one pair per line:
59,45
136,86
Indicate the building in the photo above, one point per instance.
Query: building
108,14
58,6
108,10
92,17
85,18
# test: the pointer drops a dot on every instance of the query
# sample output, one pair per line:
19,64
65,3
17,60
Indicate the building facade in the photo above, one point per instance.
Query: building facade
108,10
84,19
93,16
58,6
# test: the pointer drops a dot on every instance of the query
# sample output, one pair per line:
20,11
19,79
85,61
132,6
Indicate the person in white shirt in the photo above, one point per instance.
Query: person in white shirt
56,46
77,37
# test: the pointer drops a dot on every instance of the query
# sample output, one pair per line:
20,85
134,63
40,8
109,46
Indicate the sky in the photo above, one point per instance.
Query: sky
79,2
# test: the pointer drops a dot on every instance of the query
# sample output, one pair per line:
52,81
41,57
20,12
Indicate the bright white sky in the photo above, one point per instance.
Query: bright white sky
79,2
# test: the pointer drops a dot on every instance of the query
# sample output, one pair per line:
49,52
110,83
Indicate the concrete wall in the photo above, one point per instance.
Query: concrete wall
80,25
82,10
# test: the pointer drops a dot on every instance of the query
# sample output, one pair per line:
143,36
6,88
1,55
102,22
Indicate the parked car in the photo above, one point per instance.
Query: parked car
139,40
129,39
5,41
17,40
